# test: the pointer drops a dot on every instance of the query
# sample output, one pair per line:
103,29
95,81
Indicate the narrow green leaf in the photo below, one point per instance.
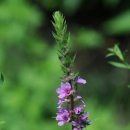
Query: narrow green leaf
119,65
110,49
118,52
109,54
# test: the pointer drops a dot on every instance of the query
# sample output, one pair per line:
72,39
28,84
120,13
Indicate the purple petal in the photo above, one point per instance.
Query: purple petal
62,95
74,123
79,97
68,86
61,110
78,109
61,101
59,117
76,129
65,85
85,115
58,90
61,123
62,85
81,81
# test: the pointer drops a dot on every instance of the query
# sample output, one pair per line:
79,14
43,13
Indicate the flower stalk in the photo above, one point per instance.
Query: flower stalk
68,96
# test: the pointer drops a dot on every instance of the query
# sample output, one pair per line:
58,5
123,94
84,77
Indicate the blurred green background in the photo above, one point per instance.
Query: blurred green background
28,60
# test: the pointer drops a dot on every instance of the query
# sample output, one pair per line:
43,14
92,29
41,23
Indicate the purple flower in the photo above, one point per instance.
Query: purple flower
64,90
79,109
63,117
61,101
77,129
81,121
79,97
85,116
61,110
76,125
81,81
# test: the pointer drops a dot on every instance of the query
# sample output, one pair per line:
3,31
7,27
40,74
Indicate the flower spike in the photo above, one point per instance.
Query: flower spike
68,110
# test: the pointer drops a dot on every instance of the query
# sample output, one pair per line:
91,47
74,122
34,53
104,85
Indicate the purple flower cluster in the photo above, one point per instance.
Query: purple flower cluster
66,113
63,116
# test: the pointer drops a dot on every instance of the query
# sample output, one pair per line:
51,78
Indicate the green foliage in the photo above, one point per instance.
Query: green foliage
32,70
68,6
119,24
111,3
119,65
115,51
60,34
28,63
102,115
71,6
50,4
1,79
88,38
16,22
63,40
